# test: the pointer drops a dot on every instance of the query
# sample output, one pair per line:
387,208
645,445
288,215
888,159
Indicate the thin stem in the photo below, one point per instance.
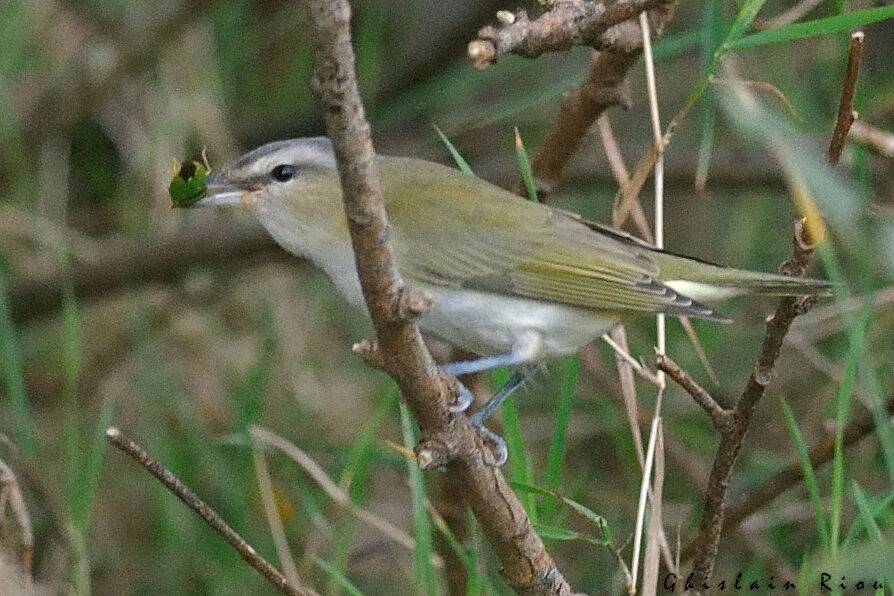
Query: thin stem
127,446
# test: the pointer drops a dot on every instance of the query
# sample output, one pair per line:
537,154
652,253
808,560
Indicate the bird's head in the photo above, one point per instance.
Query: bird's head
292,186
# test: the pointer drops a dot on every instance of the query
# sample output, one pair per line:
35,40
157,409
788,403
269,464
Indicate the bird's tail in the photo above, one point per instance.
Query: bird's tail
771,284
706,281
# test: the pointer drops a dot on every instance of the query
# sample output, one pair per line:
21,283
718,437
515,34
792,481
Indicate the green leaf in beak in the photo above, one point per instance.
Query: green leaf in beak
188,184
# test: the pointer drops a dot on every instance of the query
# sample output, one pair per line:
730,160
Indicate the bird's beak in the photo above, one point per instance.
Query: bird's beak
219,191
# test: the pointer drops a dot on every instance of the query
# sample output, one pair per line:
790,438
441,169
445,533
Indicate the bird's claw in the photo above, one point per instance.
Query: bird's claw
464,399
496,443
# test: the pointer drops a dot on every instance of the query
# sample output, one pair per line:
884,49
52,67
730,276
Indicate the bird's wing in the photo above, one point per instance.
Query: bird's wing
549,256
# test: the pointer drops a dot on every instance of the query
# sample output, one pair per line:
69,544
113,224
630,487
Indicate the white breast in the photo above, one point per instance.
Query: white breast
490,324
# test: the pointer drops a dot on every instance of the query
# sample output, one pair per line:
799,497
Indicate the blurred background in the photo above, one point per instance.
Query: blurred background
184,329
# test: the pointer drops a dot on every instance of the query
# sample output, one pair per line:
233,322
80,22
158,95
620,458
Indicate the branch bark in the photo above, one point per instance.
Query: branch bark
446,440
763,494
118,440
731,439
605,86
568,23
846,113
129,263
11,493
719,416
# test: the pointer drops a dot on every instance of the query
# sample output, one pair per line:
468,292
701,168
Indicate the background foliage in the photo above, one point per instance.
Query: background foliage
97,96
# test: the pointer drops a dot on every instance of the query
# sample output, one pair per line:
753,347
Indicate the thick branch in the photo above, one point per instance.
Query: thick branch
568,23
12,494
605,86
211,517
446,440
128,263
731,440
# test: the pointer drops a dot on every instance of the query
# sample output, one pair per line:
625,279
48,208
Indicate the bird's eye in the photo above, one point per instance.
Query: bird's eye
283,172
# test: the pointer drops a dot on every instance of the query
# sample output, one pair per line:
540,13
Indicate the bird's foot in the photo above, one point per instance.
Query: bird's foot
464,399
494,442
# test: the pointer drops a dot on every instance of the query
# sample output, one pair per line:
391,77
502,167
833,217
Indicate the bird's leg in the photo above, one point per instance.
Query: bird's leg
501,453
470,367
522,355
496,400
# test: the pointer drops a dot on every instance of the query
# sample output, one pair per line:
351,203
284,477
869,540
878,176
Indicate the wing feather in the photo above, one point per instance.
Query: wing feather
550,257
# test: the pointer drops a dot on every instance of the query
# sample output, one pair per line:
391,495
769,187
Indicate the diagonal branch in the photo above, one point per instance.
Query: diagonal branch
719,416
605,86
447,440
731,439
763,494
120,441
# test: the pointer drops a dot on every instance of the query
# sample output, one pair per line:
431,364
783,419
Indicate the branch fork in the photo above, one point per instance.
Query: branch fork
567,23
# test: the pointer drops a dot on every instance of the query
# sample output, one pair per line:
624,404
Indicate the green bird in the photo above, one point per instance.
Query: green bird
515,281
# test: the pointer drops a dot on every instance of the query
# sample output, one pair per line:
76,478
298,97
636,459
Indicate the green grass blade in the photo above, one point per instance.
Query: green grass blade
865,372
339,578
712,30
71,411
582,510
92,466
809,475
743,20
524,164
13,375
548,532
826,26
423,572
746,14
477,582
881,506
866,514
842,407
461,162
554,459
519,467
670,46
363,444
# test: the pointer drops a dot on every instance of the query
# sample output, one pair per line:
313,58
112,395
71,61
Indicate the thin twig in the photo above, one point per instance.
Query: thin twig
11,493
619,171
446,441
789,307
719,416
635,364
127,446
335,492
686,323
764,86
655,533
790,476
878,140
660,320
846,113
265,486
